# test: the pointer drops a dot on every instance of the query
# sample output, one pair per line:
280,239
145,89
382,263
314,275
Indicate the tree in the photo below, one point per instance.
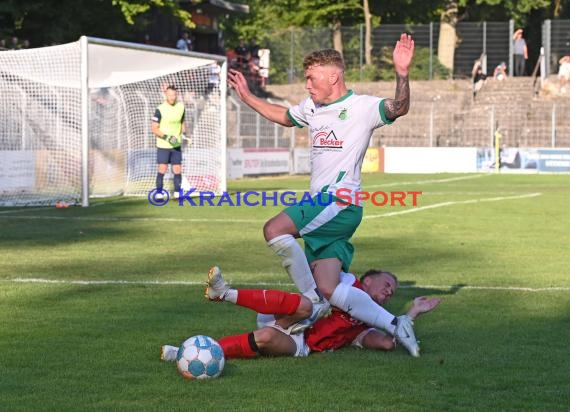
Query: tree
453,11
132,8
44,22
447,34
367,32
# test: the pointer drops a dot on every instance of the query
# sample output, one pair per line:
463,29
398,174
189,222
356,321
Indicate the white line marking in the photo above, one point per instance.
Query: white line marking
413,182
259,284
452,203
472,193
195,220
429,181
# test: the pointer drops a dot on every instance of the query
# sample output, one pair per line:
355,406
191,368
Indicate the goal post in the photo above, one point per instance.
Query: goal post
75,120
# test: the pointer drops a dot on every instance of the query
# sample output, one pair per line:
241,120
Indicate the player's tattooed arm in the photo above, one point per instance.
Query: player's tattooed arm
400,105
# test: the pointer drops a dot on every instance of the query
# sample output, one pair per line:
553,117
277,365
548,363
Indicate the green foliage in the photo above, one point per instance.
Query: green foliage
420,66
289,47
133,8
368,73
44,22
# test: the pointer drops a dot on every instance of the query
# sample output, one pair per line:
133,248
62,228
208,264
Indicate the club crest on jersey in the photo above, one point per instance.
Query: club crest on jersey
343,115
324,140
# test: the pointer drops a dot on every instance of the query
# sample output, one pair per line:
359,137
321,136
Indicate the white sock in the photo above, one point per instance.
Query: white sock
295,263
360,305
231,296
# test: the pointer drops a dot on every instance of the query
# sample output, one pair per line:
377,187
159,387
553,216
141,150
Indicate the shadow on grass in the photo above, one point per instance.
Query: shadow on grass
484,350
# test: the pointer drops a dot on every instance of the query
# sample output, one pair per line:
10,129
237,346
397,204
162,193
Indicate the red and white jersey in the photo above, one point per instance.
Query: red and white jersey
337,330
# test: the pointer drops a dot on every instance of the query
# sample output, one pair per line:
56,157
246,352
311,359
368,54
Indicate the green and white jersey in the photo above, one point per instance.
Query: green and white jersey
340,133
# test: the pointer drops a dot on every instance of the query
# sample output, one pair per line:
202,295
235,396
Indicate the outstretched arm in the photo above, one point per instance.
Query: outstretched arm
272,112
403,53
421,305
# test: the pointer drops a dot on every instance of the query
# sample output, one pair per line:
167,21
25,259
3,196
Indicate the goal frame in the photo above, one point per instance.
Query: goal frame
85,102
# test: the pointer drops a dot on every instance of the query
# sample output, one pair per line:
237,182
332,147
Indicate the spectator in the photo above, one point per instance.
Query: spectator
251,73
264,66
254,48
241,49
500,72
563,72
3,44
231,55
520,52
184,43
14,43
478,77
25,44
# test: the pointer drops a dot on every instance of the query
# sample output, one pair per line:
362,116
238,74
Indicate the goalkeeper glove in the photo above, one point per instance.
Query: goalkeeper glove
173,140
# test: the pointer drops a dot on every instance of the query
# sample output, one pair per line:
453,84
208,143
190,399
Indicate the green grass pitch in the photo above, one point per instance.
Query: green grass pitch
88,296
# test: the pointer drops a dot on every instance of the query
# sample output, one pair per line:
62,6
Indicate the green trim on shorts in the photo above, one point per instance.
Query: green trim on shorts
332,238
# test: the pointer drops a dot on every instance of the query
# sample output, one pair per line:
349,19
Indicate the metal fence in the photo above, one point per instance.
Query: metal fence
542,124
248,129
437,118
439,123
473,39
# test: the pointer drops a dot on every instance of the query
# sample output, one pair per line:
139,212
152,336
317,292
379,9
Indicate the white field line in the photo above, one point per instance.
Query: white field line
430,181
468,193
452,203
195,220
264,284
413,182
450,179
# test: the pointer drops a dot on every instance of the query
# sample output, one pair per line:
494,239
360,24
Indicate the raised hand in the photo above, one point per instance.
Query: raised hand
237,81
403,53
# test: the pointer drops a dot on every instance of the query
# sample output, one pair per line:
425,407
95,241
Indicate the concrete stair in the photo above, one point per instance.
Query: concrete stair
444,113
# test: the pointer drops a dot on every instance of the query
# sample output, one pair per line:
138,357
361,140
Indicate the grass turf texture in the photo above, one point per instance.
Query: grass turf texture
497,342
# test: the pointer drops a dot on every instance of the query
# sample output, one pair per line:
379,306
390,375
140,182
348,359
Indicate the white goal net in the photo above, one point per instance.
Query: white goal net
75,120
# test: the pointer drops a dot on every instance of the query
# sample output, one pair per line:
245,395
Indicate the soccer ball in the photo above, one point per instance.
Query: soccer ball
200,357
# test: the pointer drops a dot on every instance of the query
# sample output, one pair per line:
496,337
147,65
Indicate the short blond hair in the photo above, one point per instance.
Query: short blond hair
324,57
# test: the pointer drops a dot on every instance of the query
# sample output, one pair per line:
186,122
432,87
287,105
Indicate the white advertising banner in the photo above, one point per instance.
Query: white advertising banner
265,161
251,161
430,159
235,163
302,160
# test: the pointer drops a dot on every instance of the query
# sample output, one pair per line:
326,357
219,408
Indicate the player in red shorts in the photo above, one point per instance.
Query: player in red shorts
333,332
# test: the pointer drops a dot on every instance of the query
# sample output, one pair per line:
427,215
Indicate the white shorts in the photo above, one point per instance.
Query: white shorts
302,349
358,340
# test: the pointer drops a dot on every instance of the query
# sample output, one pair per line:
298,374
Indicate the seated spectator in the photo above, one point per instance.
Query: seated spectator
500,72
3,44
478,77
563,72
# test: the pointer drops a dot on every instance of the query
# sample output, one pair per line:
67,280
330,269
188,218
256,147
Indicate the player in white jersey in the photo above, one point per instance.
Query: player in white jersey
340,127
